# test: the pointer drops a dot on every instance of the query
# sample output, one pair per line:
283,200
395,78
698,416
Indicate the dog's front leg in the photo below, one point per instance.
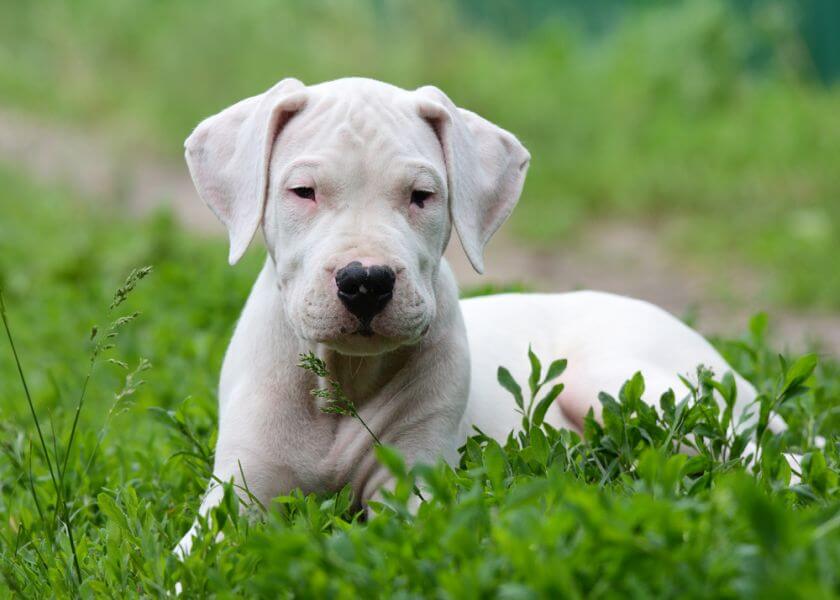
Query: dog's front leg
422,420
254,479
254,452
426,440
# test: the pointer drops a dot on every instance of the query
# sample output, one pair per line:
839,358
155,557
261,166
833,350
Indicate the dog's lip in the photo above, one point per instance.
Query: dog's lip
370,341
364,330
367,332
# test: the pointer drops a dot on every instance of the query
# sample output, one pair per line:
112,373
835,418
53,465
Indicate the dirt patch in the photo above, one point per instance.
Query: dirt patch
624,258
631,259
100,168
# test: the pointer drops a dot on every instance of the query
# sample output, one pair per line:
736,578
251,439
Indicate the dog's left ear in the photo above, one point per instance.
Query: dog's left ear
485,166
229,154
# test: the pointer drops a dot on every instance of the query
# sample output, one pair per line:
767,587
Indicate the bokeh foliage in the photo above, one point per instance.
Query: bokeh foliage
706,118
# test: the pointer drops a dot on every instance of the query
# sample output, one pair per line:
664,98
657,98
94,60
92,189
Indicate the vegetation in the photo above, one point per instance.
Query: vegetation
94,497
702,118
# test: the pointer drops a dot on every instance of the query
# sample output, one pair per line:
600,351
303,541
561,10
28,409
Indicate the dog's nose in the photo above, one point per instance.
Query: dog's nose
365,291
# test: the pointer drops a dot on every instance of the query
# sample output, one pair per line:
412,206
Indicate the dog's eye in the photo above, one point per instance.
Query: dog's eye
307,193
419,197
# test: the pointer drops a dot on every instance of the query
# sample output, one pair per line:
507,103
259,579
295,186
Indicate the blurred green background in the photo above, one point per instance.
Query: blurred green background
714,124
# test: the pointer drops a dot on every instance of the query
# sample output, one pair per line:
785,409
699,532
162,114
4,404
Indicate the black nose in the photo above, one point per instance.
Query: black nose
365,291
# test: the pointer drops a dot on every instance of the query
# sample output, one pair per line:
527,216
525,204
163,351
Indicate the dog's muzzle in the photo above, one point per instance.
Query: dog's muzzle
365,291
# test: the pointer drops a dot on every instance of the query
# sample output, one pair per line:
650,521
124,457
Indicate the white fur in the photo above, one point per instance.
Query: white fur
605,338
364,146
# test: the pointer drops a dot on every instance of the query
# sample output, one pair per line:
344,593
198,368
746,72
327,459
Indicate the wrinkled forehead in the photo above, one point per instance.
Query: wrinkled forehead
361,128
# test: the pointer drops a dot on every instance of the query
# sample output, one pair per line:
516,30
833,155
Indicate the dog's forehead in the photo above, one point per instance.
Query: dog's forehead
363,117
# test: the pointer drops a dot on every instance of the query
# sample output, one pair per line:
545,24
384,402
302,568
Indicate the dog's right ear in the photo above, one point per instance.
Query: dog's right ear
229,153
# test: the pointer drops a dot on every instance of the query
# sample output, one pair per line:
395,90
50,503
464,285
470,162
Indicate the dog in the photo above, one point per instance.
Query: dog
356,186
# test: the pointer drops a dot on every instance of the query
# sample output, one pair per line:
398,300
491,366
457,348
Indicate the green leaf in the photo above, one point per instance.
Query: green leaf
507,381
611,415
701,483
667,403
729,392
726,388
391,459
544,404
758,326
536,371
220,514
110,509
472,452
592,429
696,464
739,444
609,403
815,471
495,463
539,446
799,372
631,392
555,370
231,504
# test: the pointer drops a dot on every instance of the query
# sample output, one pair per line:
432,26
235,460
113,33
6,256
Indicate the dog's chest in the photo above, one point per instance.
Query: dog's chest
325,453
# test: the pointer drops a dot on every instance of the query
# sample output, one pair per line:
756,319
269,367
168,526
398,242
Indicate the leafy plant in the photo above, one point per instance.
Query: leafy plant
661,499
56,462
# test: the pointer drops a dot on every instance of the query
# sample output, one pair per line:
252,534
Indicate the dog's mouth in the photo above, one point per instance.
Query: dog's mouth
364,330
365,339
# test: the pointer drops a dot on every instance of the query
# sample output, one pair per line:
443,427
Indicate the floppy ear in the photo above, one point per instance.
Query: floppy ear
485,166
229,154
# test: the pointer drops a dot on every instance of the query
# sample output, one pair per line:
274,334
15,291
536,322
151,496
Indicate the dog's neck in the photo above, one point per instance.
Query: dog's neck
362,377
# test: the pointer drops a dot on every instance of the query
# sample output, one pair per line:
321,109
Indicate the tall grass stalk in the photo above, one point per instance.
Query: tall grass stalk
58,470
61,505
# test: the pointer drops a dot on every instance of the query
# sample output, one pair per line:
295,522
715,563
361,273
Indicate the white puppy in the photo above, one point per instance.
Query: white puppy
356,186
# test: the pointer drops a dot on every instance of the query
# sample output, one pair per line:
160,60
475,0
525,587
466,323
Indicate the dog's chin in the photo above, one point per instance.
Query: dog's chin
367,341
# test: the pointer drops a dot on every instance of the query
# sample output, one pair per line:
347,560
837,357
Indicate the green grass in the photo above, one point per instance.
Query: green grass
619,513
703,119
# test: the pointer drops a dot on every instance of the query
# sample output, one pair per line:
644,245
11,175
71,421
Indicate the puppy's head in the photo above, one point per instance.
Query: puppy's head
356,185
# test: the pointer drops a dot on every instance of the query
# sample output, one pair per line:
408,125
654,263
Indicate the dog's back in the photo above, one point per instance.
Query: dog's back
605,338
